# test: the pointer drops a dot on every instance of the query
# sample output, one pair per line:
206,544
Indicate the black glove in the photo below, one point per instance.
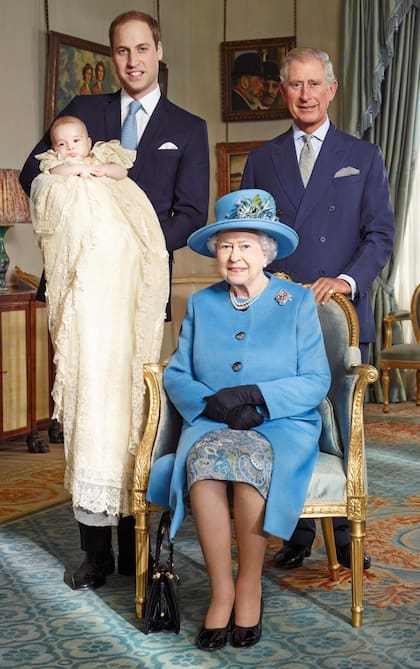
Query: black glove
242,418
221,403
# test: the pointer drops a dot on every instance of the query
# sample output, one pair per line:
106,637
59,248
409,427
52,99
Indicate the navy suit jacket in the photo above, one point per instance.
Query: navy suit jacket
176,181
344,217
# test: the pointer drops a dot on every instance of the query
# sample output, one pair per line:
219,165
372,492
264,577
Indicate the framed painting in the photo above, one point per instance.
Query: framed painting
250,79
231,159
79,67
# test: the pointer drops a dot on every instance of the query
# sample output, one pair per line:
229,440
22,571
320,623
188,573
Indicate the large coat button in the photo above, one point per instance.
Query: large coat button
240,336
237,366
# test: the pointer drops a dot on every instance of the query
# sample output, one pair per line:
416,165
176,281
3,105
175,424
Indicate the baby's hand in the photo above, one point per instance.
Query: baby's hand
71,170
110,170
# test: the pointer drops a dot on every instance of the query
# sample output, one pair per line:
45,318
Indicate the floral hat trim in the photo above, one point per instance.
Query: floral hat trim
253,208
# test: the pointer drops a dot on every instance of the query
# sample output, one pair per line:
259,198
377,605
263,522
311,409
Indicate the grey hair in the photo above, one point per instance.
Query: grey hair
268,244
302,53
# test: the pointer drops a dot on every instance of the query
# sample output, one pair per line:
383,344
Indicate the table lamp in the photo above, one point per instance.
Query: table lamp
14,208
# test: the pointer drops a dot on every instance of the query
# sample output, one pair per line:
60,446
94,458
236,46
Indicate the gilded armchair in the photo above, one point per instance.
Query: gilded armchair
401,356
338,486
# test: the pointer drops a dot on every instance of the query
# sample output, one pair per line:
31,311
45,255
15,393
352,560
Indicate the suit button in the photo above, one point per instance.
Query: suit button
331,207
322,272
240,335
237,366
322,239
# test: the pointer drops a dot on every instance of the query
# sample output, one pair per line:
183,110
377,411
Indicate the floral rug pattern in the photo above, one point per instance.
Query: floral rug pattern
306,624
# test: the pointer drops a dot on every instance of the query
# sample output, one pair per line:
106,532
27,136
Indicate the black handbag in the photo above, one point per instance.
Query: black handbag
162,605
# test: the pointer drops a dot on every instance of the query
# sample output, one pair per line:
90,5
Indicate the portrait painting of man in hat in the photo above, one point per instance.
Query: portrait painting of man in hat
250,78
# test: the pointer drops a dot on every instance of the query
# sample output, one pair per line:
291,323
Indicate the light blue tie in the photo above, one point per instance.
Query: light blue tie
307,159
129,128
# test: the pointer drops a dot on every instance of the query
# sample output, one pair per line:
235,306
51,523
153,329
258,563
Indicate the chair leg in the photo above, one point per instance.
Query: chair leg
417,387
142,560
385,388
357,534
329,541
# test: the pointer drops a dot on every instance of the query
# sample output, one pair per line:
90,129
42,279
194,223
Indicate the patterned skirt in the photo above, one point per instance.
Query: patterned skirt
232,455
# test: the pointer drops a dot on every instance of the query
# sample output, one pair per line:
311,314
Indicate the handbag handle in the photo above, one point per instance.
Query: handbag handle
163,529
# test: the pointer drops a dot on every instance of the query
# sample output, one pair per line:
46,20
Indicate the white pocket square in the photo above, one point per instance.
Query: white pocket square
346,172
168,145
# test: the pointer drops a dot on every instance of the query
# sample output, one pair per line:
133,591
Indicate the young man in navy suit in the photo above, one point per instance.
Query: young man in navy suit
172,167
342,214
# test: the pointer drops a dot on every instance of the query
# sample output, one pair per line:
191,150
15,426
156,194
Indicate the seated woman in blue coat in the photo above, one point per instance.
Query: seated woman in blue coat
248,374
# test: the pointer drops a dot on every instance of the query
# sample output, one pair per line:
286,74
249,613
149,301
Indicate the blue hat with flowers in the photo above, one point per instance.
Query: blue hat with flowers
249,209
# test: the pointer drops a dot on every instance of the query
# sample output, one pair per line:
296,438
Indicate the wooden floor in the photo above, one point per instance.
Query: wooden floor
14,455
29,481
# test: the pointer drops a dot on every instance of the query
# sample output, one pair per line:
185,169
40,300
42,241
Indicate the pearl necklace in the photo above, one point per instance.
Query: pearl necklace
243,306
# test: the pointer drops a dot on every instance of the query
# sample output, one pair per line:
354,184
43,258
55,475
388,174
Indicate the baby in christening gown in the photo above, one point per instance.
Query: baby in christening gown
106,269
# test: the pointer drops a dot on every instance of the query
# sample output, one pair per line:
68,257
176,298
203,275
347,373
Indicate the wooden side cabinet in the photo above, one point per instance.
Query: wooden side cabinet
25,364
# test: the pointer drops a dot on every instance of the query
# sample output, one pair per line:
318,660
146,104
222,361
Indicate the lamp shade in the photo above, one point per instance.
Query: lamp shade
14,203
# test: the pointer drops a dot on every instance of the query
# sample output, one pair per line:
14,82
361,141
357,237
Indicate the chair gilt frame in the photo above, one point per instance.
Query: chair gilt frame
354,509
164,438
401,356
142,508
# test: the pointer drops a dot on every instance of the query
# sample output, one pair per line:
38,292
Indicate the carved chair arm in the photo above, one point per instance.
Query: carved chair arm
153,374
356,457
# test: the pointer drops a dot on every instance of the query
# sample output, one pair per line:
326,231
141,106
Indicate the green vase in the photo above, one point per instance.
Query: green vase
4,258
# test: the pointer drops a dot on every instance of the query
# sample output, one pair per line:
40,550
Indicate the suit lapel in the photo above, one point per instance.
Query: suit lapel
148,140
286,168
112,115
329,158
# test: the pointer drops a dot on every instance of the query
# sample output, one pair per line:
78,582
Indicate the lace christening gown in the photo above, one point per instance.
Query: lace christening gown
106,268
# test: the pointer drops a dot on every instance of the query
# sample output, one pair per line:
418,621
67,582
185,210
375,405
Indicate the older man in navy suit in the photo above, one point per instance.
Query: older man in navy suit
172,167
333,190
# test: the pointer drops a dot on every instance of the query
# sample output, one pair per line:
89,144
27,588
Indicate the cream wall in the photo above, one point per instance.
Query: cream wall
191,33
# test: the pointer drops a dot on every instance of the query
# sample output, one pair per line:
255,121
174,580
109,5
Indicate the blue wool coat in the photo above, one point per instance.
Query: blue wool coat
278,345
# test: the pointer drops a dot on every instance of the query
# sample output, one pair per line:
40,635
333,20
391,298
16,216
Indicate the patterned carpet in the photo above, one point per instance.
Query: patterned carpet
29,481
44,624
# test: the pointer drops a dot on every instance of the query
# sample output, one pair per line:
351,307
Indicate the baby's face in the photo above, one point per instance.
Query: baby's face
71,139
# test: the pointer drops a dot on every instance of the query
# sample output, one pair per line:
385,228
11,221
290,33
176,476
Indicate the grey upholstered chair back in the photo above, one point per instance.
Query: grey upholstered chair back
169,426
340,337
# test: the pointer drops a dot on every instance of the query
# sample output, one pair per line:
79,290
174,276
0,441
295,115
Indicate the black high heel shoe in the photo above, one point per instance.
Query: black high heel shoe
212,639
245,637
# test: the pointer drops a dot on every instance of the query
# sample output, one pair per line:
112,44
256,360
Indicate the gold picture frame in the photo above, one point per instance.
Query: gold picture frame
271,50
231,159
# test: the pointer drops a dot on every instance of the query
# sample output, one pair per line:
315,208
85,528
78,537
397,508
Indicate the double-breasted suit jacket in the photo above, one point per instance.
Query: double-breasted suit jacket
176,180
344,217
277,344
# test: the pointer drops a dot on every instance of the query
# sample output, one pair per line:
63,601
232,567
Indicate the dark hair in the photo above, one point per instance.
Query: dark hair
100,63
87,67
135,16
